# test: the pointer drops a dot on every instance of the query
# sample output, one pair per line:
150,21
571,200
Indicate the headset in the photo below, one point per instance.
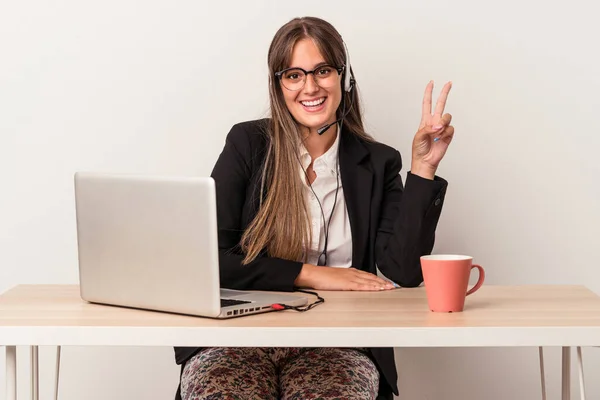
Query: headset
349,83
348,86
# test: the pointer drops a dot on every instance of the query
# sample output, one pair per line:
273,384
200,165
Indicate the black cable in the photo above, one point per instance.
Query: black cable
320,300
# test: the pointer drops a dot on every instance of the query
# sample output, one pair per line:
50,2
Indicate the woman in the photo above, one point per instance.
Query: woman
308,199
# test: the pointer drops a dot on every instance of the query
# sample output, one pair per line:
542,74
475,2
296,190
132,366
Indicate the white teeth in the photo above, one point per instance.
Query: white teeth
314,102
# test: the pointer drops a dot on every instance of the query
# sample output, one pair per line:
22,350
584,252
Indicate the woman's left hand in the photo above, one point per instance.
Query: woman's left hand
434,135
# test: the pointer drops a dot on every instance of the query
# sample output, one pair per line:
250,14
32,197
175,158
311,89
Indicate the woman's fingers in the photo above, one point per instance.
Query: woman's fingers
441,103
426,114
372,288
446,119
447,134
441,125
368,286
373,279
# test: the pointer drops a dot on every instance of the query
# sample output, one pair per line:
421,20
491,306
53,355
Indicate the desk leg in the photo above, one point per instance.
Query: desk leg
542,372
11,372
581,379
57,372
35,376
566,373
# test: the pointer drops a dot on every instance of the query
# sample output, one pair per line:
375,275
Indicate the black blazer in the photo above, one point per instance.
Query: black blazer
392,224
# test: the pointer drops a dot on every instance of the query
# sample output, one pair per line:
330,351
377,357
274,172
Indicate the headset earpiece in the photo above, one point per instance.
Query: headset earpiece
348,78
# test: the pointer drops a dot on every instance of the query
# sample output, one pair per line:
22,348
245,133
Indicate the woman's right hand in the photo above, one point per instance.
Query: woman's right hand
331,278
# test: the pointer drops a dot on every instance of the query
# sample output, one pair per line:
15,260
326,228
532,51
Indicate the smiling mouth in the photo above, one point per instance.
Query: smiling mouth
313,103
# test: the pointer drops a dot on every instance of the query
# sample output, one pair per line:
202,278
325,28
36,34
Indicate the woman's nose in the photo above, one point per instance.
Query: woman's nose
310,85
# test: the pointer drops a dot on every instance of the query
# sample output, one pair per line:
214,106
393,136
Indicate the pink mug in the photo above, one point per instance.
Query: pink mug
446,278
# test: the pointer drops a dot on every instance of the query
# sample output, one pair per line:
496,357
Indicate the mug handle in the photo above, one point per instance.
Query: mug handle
479,281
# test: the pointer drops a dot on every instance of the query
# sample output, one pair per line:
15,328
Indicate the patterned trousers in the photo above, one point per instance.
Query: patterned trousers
266,373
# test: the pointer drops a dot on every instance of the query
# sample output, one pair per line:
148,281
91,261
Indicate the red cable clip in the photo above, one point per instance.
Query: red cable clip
277,307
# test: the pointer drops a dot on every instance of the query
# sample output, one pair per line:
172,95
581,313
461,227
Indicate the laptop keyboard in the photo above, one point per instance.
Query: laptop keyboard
231,302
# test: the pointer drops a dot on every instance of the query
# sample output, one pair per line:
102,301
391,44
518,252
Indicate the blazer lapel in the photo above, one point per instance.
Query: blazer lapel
357,179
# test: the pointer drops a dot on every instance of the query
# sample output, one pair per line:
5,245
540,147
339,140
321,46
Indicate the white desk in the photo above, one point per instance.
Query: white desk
496,316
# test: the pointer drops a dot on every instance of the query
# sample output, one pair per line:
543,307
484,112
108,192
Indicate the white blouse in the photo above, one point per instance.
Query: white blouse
339,243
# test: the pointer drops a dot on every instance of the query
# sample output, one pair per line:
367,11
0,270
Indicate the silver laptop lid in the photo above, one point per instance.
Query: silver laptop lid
148,242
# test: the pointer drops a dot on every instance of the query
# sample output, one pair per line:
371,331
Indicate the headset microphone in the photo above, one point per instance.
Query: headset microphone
323,129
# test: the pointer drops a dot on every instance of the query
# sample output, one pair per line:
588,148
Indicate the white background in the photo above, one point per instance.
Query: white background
154,87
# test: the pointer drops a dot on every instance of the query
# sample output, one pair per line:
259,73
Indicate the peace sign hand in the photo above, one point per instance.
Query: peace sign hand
434,135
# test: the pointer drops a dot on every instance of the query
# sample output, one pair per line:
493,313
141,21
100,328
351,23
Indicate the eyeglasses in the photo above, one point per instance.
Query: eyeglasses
294,78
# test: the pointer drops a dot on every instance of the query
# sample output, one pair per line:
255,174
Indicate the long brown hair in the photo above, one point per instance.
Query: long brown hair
281,224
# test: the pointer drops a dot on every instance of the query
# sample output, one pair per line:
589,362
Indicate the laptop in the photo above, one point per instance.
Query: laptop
150,242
